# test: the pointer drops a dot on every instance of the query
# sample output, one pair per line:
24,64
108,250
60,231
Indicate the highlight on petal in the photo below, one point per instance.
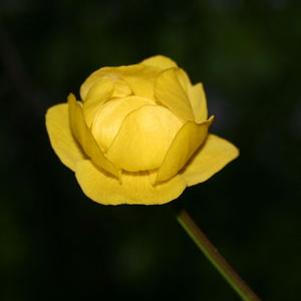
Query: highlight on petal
198,102
61,139
135,188
189,138
109,118
159,61
84,137
170,93
144,138
210,158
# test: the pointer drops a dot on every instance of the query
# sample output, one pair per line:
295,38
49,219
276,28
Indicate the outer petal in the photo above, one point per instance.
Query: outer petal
198,102
186,142
61,139
212,157
144,138
84,137
170,93
159,61
135,188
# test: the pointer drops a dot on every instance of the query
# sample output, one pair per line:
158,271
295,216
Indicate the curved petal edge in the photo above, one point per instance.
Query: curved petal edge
85,138
189,138
211,158
133,189
61,138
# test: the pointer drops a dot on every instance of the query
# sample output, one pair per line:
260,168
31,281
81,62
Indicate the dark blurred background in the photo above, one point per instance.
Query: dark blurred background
55,244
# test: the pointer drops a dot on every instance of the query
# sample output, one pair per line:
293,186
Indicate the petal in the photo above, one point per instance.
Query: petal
92,79
211,158
121,89
170,93
198,102
89,82
84,137
101,86
183,79
61,139
139,77
159,61
109,118
99,93
103,89
135,188
196,96
144,138
186,142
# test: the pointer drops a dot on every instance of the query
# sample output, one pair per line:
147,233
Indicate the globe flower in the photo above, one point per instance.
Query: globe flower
139,134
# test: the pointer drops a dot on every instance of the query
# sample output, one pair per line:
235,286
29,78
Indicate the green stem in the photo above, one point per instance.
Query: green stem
215,257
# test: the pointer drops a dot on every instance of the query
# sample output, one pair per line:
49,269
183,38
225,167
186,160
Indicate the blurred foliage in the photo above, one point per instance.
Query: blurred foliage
55,244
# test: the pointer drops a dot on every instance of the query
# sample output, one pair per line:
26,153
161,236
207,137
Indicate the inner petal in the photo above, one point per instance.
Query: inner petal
169,91
144,138
110,116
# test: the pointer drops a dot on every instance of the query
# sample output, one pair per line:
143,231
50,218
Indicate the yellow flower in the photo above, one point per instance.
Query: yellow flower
139,135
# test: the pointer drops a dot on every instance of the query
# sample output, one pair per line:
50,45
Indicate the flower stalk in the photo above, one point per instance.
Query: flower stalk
217,260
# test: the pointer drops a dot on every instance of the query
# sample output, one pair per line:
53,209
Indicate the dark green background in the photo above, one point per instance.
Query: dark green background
55,244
